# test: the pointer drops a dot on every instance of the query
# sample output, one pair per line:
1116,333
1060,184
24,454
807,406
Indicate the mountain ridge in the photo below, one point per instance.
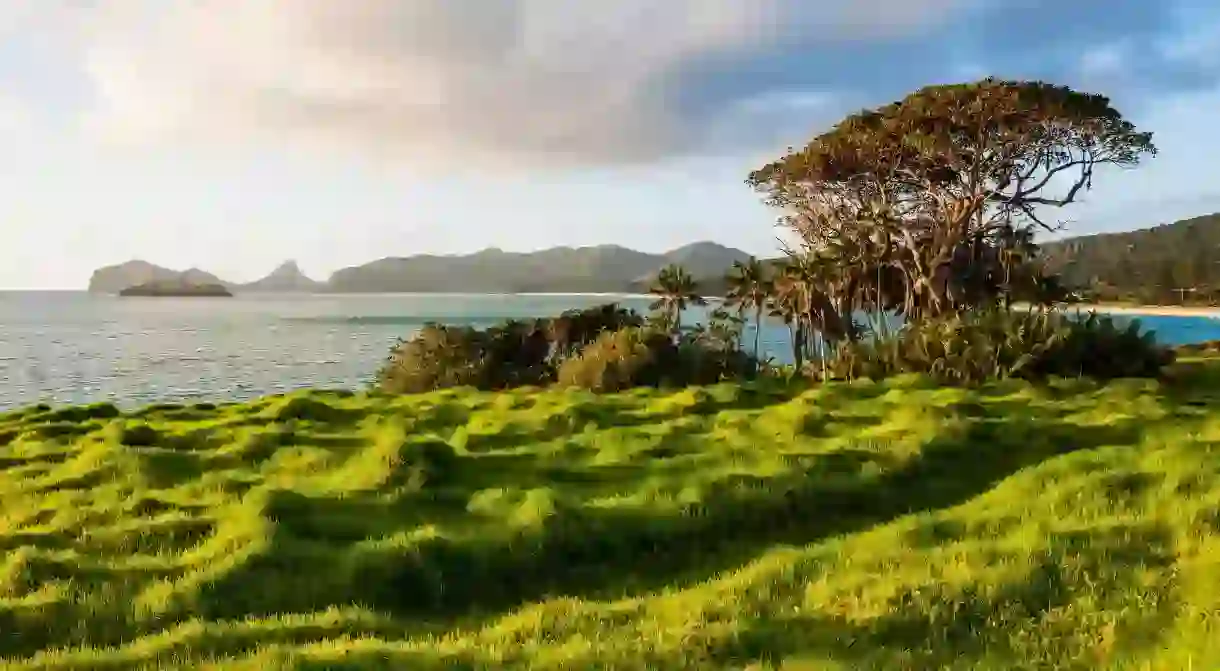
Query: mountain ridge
608,268
1156,265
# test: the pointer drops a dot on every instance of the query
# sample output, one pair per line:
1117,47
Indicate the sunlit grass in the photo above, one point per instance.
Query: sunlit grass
858,526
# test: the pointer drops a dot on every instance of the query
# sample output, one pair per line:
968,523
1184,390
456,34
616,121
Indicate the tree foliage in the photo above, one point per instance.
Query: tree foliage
750,286
927,208
676,290
921,197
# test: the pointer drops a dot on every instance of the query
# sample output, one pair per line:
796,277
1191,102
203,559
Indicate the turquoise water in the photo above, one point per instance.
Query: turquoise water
75,348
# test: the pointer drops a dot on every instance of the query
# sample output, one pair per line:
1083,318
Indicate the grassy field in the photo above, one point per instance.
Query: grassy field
861,526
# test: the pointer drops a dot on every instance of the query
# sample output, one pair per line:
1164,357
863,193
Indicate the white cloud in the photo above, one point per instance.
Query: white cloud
514,81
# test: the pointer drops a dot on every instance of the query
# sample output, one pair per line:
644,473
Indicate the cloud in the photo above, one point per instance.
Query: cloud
456,81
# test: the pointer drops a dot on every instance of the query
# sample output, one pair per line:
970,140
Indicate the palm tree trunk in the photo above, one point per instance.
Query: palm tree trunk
757,329
822,355
880,307
798,344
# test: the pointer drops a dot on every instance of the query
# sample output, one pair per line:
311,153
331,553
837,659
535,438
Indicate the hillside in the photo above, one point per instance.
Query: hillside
604,268
864,526
1149,265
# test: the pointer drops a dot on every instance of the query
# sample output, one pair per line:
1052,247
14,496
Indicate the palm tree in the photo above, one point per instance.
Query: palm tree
804,296
750,287
785,304
1016,249
675,290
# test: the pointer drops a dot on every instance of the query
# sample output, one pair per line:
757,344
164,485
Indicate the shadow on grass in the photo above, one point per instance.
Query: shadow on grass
1193,383
1029,622
606,553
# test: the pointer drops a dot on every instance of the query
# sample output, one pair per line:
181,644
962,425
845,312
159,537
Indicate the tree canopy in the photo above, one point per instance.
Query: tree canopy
923,193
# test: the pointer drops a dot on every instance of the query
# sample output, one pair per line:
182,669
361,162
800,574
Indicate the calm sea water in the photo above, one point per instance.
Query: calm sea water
73,347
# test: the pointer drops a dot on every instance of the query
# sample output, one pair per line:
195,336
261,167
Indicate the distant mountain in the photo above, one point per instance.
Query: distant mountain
287,278
604,268
707,262
113,279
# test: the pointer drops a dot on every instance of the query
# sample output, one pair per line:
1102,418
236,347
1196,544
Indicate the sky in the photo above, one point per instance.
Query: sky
232,135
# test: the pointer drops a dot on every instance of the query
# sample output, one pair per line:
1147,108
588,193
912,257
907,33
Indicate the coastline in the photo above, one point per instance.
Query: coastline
1148,310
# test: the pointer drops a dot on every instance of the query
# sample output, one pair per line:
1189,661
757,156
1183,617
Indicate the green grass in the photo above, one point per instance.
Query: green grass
861,526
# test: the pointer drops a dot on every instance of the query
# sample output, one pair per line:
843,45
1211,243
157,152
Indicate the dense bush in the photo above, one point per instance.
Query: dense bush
713,352
630,357
1097,346
512,354
438,356
644,356
994,344
573,330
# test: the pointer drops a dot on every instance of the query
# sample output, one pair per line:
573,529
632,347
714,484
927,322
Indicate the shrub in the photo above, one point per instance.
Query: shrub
1097,346
438,356
712,352
996,344
573,330
645,357
426,461
512,354
618,360
139,435
307,409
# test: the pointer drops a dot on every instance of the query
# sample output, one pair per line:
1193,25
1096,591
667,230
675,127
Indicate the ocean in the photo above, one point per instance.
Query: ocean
68,347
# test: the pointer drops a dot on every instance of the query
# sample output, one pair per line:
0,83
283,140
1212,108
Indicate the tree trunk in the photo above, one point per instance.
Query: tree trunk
798,344
757,329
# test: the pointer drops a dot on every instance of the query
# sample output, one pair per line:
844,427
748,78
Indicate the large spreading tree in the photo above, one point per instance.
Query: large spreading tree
927,201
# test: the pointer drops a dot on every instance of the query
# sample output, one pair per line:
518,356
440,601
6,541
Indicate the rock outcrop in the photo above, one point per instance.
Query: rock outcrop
287,278
114,279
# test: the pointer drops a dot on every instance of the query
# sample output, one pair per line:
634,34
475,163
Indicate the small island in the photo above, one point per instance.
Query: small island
177,289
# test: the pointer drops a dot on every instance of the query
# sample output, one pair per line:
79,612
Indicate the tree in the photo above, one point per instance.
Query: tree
943,172
676,290
802,301
749,288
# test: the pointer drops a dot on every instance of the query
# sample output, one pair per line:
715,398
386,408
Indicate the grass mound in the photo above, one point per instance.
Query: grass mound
852,526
